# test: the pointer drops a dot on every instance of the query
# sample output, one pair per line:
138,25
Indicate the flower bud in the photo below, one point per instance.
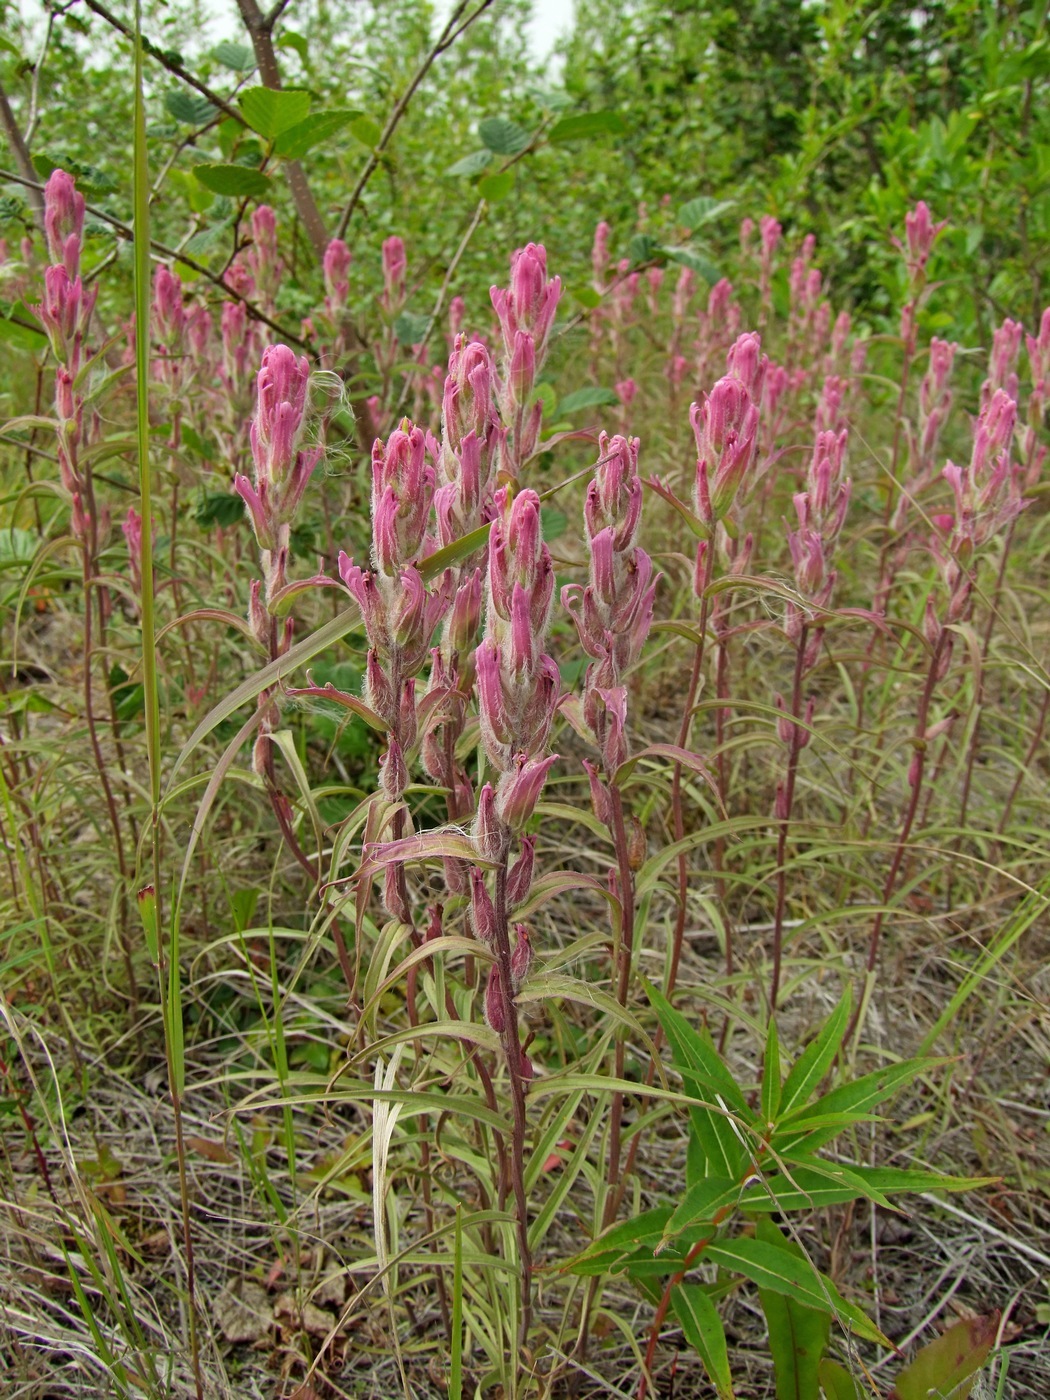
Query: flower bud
495,1010
490,835
519,877
482,912
519,790
521,958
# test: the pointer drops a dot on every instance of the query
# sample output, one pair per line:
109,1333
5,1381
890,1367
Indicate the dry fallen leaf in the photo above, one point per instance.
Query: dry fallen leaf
243,1312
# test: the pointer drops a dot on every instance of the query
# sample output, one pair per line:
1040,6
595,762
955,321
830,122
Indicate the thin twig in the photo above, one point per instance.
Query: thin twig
126,232
445,39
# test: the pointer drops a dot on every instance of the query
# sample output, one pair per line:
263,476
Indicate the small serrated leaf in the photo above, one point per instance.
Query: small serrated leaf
584,125
410,328
703,210
503,136
188,107
473,164
234,180
239,57
297,140
496,187
365,130
270,112
591,397
687,257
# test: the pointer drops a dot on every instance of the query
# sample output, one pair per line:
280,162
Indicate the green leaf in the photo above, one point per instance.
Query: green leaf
619,1241
496,187
945,1368
773,1268
808,1129
817,1058
453,553
270,112
837,1383
704,1332
470,165
291,40
688,257
23,337
410,328
234,180
718,1147
703,210
189,107
504,137
239,57
294,143
584,125
207,238
590,397
798,1335
642,248
771,1074
702,1201
365,130
588,297
219,508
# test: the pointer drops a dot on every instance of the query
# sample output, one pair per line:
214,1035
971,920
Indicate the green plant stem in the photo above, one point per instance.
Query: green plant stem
151,693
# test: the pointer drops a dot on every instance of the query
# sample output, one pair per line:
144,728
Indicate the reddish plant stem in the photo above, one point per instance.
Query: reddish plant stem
676,779
794,749
978,699
103,776
624,960
901,847
1033,749
661,1313
513,1055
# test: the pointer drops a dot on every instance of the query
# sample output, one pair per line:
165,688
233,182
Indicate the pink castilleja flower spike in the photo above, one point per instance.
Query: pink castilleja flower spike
530,302
337,260
64,221
726,431
395,265
282,470
402,492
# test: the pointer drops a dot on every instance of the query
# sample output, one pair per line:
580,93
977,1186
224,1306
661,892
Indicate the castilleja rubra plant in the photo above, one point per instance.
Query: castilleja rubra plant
588,760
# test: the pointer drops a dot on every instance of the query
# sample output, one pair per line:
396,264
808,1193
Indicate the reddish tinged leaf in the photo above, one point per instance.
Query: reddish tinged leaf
949,1364
340,697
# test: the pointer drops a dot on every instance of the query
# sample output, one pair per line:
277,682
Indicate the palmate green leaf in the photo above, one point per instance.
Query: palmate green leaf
704,1332
271,111
798,1335
809,1128
813,1064
775,1269
237,181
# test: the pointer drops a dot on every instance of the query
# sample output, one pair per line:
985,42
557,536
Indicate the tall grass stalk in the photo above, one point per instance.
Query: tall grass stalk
167,976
